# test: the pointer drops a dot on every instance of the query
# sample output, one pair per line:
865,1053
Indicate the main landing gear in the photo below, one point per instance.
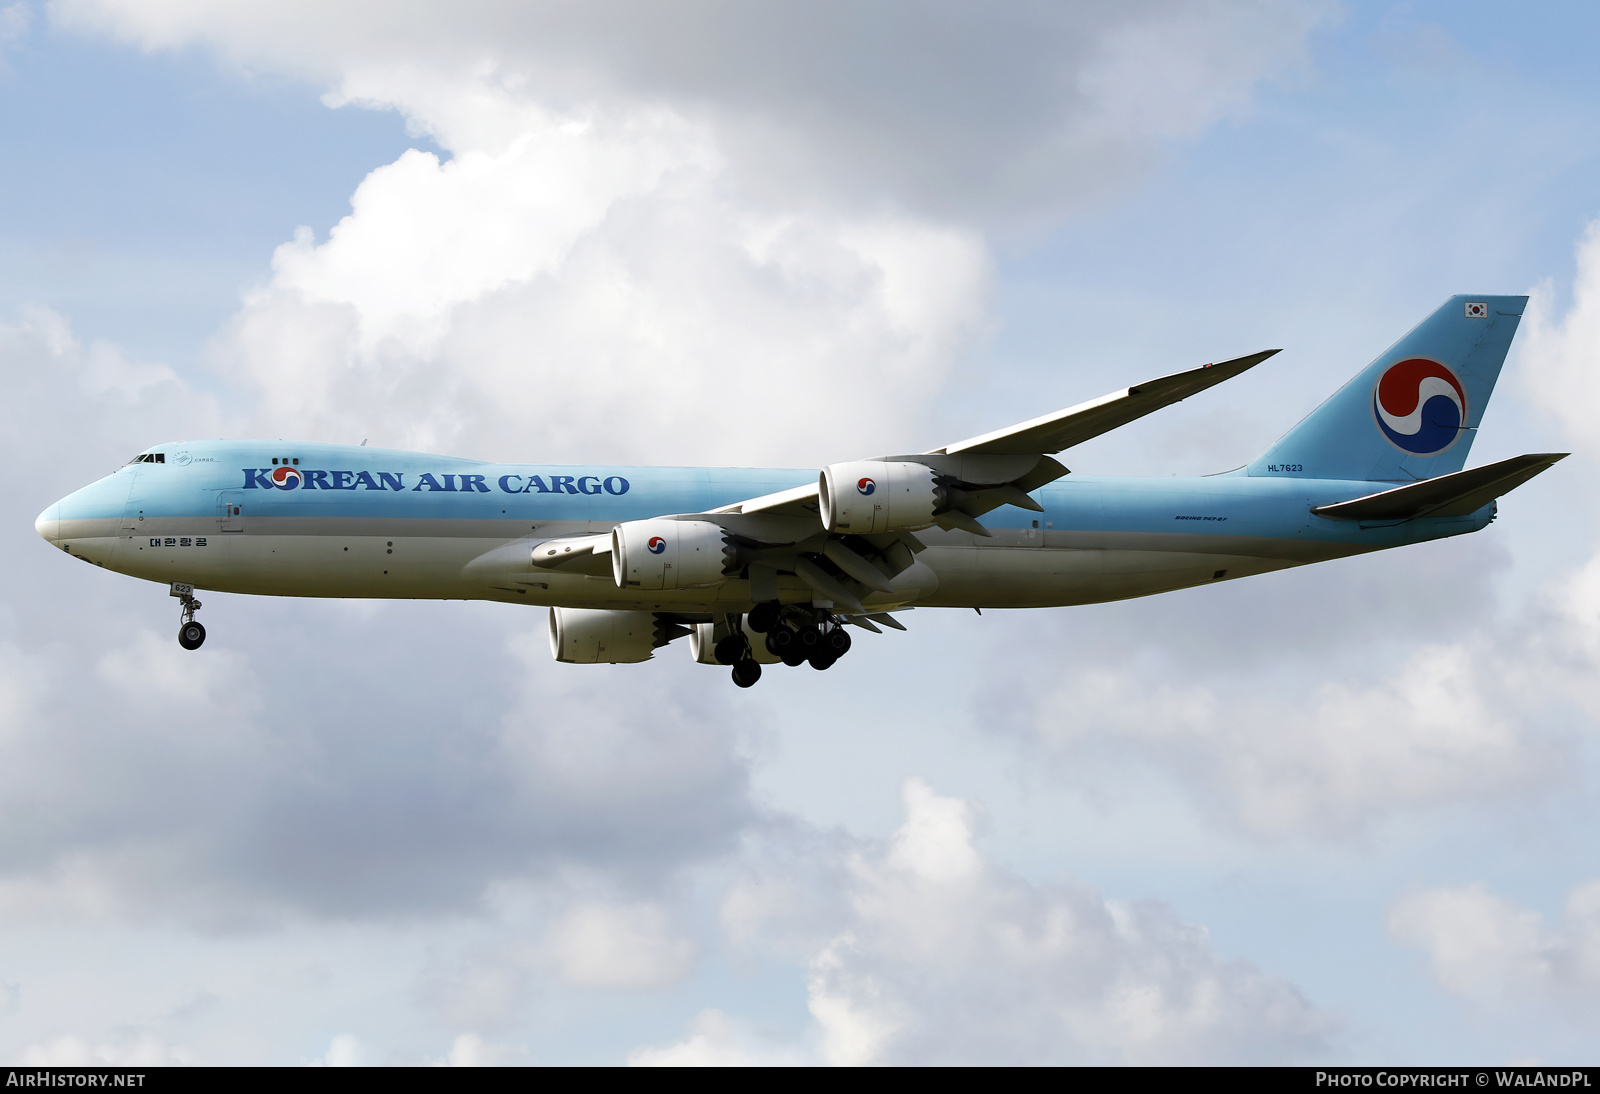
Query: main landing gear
191,635
819,644
793,634
735,650
807,636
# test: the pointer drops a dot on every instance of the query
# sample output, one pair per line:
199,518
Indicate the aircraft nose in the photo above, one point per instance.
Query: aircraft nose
48,523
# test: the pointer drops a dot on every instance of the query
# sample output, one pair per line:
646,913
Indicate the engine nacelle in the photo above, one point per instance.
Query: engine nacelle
668,554
592,636
872,496
703,644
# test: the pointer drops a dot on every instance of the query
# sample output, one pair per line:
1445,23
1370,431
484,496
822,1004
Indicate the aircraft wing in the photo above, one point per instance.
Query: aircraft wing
1038,437
796,501
1077,424
784,532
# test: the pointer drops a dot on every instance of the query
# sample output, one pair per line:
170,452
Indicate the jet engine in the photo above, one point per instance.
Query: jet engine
872,496
591,636
668,554
703,644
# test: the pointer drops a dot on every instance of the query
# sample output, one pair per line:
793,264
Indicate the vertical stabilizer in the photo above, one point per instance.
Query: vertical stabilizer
1412,413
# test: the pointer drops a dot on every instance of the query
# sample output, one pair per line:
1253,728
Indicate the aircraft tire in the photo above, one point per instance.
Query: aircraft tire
837,642
808,638
730,651
191,636
764,616
779,640
794,656
822,660
746,673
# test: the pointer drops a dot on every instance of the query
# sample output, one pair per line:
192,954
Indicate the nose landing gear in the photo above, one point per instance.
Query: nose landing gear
190,633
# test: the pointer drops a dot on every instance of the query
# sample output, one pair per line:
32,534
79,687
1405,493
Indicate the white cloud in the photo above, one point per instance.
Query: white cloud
1262,754
596,272
118,406
941,957
140,1050
621,259
153,678
612,753
1003,113
588,286
310,806
1174,72
470,1050
1557,372
717,1040
345,1050
1485,947
610,945
525,184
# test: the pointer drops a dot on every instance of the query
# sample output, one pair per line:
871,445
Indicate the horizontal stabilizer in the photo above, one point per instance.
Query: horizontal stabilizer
1077,424
1453,495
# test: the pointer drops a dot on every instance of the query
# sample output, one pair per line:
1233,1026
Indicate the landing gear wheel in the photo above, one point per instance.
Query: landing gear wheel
764,616
780,640
837,642
731,650
808,638
793,656
822,659
746,673
190,633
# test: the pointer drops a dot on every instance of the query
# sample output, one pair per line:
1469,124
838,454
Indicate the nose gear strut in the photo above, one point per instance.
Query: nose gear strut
190,633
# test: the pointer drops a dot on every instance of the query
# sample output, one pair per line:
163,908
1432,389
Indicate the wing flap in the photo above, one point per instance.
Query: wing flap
1076,424
1453,495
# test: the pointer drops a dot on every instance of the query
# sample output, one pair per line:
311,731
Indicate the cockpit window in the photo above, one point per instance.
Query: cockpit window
149,457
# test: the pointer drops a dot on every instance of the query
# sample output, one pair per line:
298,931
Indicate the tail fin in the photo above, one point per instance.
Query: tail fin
1412,413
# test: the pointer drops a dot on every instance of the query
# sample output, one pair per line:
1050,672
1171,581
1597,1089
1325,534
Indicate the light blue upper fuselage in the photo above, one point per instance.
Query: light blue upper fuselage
1097,538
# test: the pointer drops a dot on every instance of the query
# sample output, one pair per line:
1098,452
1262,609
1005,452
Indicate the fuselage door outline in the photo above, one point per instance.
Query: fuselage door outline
230,510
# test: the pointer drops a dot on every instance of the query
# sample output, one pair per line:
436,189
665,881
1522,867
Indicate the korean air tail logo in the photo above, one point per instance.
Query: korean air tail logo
866,486
285,478
656,545
1420,406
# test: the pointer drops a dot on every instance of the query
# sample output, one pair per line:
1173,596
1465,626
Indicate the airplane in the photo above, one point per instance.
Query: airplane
761,566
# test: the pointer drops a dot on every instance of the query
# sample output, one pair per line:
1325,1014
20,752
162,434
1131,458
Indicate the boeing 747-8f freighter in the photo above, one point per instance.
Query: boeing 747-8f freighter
759,566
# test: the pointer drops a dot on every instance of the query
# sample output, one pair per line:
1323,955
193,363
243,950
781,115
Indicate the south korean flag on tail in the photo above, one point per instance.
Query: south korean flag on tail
1477,311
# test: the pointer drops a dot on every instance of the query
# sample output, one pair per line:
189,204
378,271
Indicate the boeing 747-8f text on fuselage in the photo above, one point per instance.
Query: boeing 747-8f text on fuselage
761,566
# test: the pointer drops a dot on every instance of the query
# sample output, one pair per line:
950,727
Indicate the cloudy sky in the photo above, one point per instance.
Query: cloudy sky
1345,814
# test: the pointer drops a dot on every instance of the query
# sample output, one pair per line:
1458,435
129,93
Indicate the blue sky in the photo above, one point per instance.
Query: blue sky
1353,806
